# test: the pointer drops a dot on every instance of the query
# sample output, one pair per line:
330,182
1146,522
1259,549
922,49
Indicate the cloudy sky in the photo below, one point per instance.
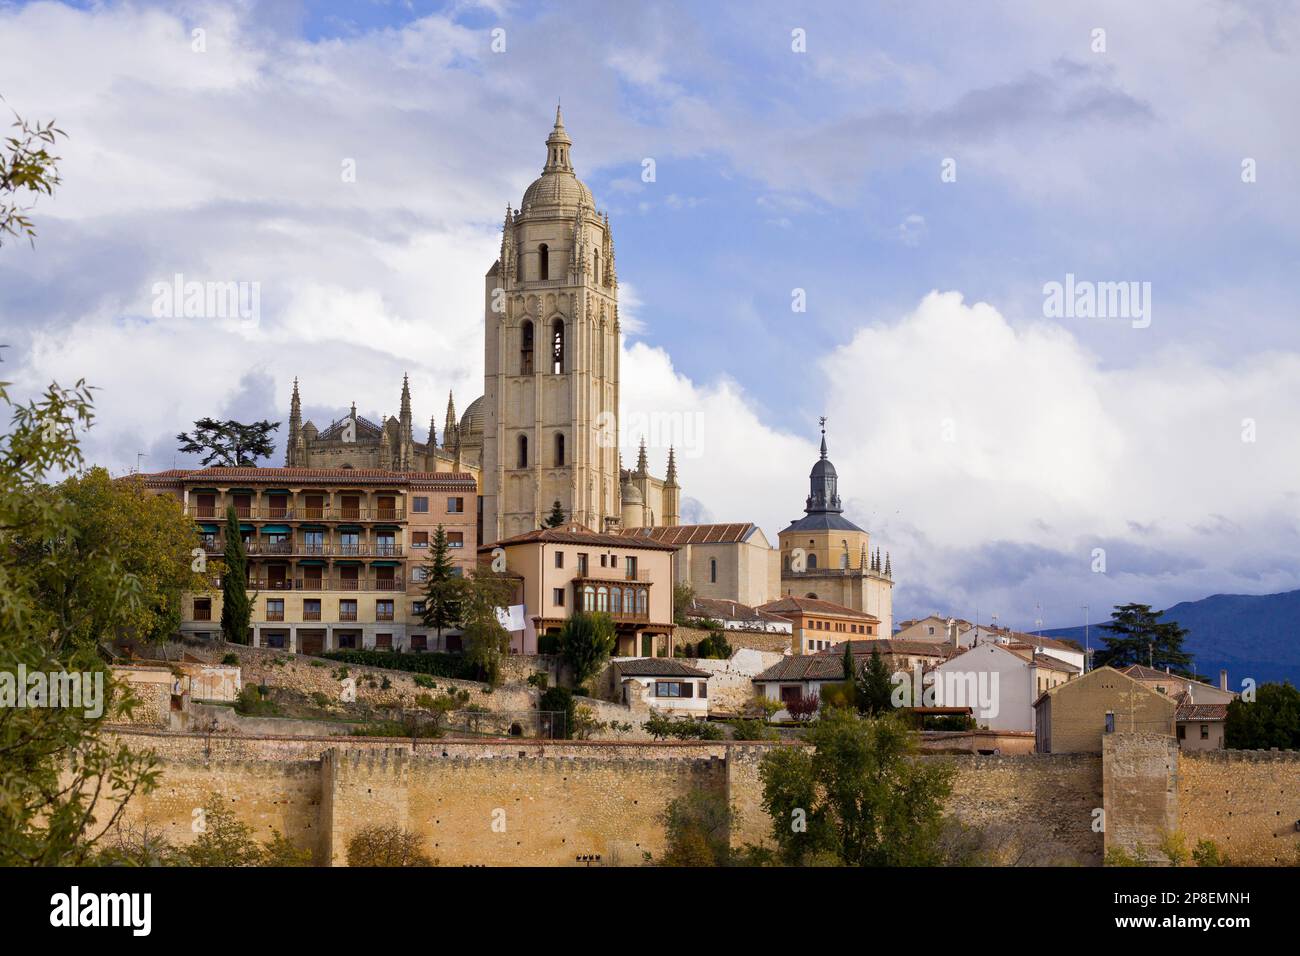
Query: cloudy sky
914,174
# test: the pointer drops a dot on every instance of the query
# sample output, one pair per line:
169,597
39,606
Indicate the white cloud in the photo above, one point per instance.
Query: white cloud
1051,454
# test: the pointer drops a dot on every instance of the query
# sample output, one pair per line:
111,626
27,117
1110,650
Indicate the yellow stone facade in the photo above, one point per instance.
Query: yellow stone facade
550,368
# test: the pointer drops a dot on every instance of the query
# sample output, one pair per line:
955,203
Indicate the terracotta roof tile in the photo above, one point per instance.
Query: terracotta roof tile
576,536
797,605
694,533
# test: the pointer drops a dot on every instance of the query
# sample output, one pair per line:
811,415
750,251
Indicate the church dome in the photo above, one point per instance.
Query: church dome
557,189
471,423
823,469
631,494
558,185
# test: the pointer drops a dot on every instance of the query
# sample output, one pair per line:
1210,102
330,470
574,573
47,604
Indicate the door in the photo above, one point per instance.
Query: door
311,642
351,507
387,505
647,645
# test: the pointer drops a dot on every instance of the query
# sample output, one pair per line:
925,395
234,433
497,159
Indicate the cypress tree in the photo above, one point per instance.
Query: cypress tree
236,610
442,589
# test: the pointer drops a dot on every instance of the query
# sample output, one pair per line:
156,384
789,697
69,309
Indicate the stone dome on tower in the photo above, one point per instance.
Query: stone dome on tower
558,185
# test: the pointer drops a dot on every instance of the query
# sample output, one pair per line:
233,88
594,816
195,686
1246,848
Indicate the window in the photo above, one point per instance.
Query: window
203,609
347,610
616,600
631,567
557,346
543,262
559,559
275,609
673,688
642,599
604,560
419,573
1182,731
420,504
526,348
790,693
582,565
1205,731
713,570
419,642
613,560
602,599
455,539
347,642
704,688
1110,723
383,610
419,539
311,609
384,642
417,608
456,506
522,454
273,640
559,449
557,597
812,562
589,598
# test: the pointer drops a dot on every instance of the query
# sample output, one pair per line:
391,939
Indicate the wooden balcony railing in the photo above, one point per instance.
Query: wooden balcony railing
298,513
331,583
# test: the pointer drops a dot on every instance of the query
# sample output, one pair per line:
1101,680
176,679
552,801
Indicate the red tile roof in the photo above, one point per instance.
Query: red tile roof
580,536
352,476
694,533
1192,711
797,605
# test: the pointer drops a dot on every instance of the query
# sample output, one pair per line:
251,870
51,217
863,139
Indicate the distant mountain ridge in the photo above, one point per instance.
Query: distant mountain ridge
1249,635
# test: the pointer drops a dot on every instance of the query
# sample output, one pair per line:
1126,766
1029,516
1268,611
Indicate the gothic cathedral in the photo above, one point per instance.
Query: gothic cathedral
551,353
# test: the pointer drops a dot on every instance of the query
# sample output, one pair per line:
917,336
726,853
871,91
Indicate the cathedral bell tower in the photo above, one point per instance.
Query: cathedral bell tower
550,370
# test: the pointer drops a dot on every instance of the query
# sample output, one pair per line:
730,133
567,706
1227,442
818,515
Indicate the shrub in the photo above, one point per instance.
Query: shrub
548,644
387,846
804,708
230,659
559,699
714,646
437,665
540,681
661,726
1207,853
753,730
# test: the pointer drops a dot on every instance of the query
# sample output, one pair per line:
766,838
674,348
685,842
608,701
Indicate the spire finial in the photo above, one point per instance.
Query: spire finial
822,421
559,119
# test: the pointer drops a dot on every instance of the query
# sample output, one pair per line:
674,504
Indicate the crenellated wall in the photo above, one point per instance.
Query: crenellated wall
544,803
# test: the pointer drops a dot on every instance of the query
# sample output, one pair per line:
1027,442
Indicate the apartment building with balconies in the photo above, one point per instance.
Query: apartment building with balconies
570,568
335,556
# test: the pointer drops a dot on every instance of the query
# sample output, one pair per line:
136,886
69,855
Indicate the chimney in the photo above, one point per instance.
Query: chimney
1223,680
952,636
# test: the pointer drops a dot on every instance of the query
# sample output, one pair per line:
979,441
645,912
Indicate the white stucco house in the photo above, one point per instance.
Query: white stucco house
1000,682
664,683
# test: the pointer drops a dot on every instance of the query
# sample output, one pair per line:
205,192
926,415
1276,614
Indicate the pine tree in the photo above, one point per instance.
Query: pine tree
556,518
236,609
874,687
442,588
1138,636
